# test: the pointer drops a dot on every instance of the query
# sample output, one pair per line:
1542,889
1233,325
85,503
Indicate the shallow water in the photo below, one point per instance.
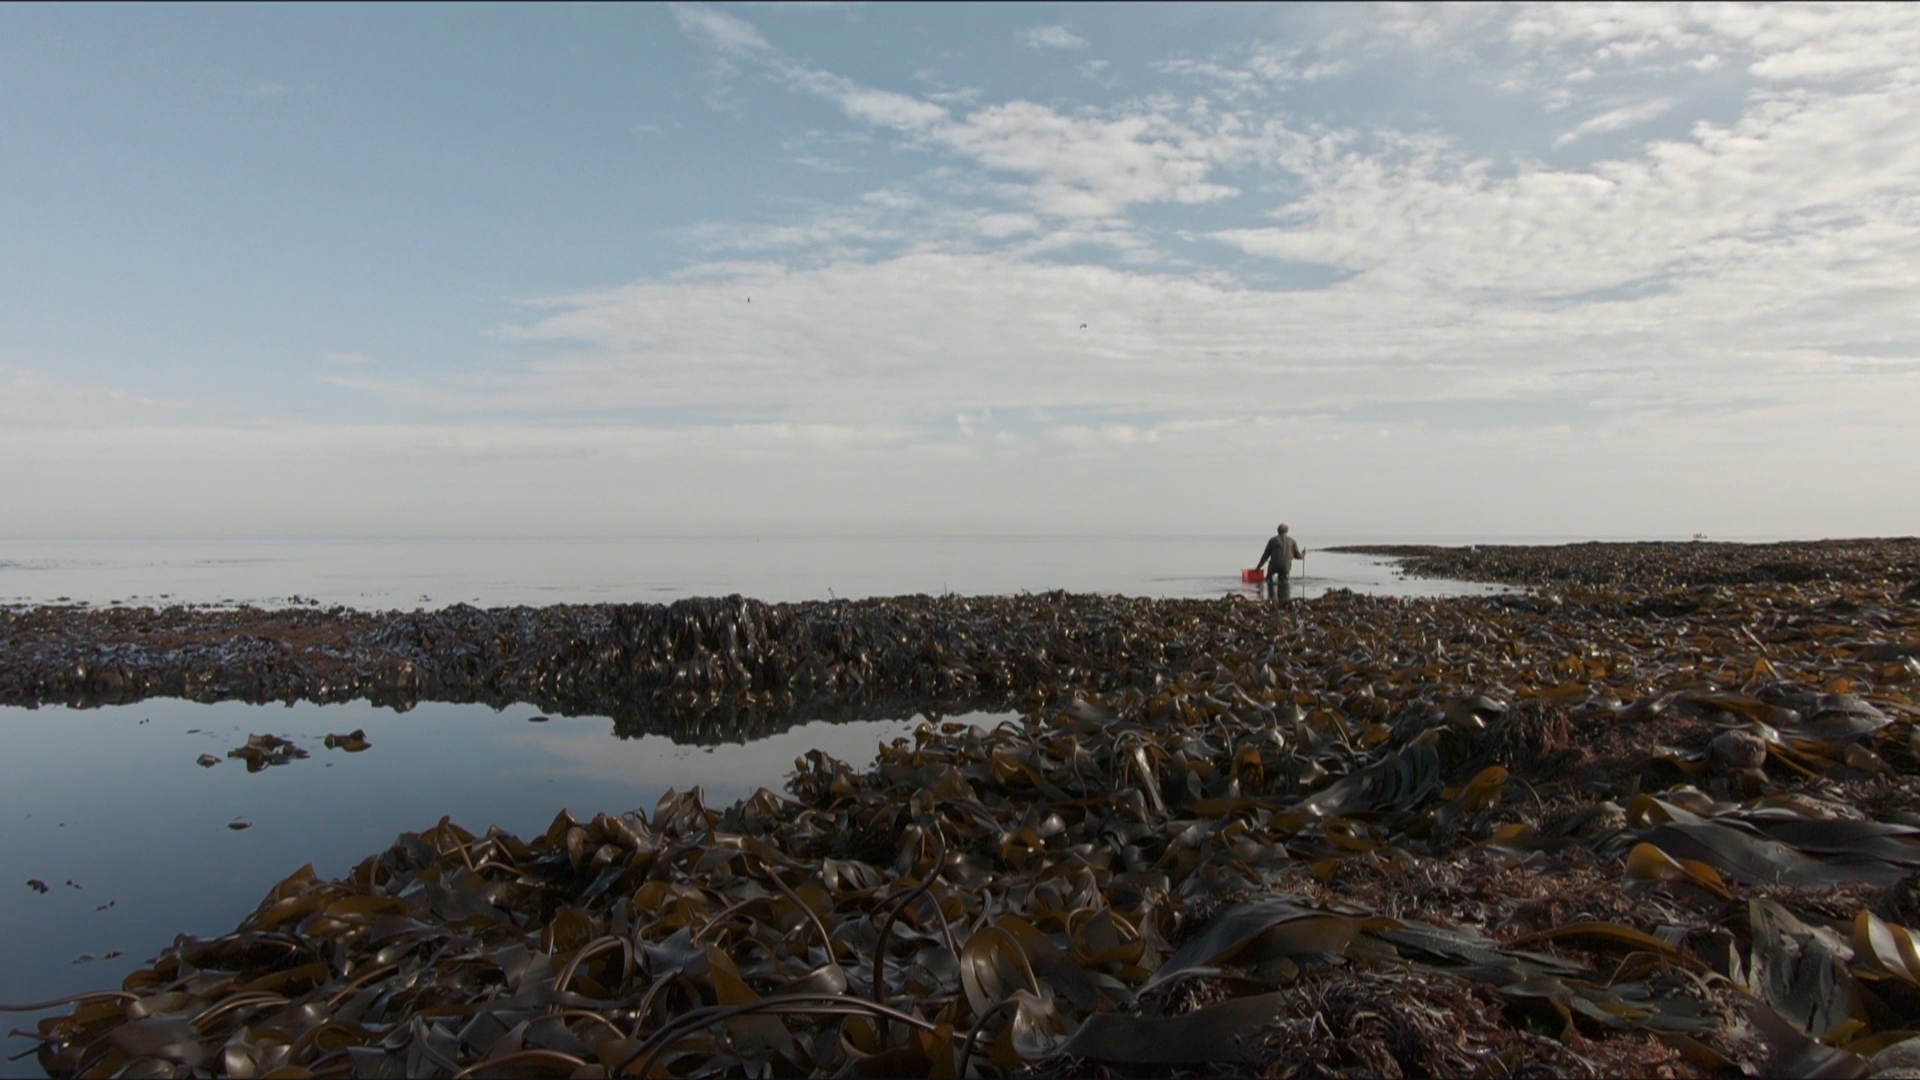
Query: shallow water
380,574
112,800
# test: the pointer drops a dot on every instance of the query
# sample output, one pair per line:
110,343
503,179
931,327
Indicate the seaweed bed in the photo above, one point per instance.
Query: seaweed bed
1658,816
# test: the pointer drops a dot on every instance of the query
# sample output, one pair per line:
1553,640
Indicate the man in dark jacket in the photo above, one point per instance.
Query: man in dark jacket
1278,559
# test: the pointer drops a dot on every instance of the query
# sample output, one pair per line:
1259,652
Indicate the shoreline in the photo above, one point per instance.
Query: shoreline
1578,820
734,666
1645,564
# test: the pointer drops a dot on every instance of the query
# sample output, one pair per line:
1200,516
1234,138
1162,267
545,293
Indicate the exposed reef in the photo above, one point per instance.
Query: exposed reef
1660,564
1667,824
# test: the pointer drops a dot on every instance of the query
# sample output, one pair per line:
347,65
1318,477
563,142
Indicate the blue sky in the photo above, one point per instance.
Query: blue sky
1566,269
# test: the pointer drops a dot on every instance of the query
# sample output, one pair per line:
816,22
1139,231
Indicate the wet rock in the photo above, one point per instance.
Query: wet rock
1902,1059
353,742
267,751
1738,751
1900,903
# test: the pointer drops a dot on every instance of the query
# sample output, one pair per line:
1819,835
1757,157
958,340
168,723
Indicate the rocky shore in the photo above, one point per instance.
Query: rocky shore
1654,565
1659,816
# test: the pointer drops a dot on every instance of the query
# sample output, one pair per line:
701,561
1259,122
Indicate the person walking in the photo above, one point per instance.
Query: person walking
1278,560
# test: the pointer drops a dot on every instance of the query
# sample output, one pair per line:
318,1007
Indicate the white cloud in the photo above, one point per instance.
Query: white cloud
1256,70
1619,119
993,332
1231,80
1085,166
825,234
1100,73
864,103
1781,42
828,151
884,221
820,164
1052,37
1094,167
727,33
1000,226
31,398
1784,204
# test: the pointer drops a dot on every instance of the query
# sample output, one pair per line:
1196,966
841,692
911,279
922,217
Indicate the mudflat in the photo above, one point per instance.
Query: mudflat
1658,815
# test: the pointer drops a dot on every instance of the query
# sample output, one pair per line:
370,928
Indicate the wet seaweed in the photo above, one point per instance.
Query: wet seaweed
1572,834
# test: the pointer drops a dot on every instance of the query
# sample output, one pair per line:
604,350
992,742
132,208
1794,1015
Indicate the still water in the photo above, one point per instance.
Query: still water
110,810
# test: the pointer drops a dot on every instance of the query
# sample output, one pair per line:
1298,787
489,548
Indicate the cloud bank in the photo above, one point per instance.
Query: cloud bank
1677,293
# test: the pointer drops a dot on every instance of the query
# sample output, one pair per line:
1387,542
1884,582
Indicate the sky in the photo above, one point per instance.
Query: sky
1570,270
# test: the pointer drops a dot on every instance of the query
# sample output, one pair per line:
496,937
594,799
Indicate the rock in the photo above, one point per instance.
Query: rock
1901,1055
1900,903
1738,750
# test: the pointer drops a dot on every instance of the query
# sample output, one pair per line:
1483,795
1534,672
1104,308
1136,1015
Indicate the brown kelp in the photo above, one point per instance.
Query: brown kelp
715,669
1605,831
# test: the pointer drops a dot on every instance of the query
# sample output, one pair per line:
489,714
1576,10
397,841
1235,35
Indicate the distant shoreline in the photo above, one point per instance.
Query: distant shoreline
1639,563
